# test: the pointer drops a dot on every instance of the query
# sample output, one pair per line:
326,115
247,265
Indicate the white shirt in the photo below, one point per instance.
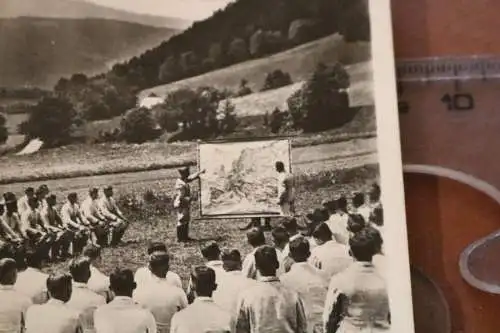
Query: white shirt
143,275
312,285
123,315
52,317
86,302
331,257
367,304
31,219
286,186
229,287
98,282
69,213
338,226
90,210
13,308
365,211
162,299
22,204
248,267
32,283
202,316
108,207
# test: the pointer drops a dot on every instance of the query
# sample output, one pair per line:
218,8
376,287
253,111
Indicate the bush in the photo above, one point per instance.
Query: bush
276,79
51,120
322,103
4,133
138,126
244,89
276,122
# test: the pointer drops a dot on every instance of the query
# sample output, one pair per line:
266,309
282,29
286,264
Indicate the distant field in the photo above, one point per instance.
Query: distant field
299,62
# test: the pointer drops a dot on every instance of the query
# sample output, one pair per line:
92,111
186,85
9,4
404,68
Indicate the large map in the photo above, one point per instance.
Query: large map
240,177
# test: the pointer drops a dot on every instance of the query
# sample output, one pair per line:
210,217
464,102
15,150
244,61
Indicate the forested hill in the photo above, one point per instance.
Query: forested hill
39,51
243,30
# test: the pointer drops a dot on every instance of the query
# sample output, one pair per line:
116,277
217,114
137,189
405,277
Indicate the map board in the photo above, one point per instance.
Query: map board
240,179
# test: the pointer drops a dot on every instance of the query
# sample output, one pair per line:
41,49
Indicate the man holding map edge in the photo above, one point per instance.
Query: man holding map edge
286,190
182,202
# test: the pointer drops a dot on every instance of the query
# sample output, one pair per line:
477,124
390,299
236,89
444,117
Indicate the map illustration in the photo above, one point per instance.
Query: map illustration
240,177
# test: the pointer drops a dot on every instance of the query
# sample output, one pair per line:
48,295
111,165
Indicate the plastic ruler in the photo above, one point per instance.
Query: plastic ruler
449,110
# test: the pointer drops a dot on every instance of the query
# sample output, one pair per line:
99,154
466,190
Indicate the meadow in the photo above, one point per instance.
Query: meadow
152,218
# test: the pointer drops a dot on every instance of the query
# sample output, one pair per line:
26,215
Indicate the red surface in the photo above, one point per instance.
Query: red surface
443,217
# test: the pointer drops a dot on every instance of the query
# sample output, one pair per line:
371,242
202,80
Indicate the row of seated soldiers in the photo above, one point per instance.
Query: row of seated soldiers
296,283
34,223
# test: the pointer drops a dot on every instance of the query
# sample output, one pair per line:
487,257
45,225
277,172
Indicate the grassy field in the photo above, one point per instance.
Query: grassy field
299,62
153,219
99,159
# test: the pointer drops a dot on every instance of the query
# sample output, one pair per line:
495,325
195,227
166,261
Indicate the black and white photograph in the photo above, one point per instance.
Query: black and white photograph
200,166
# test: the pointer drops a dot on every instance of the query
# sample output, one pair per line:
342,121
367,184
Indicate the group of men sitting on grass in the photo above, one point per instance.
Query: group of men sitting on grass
310,282
34,223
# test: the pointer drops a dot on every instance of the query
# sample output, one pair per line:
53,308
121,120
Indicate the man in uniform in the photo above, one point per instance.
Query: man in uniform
11,215
55,316
10,227
286,190
110,210
72,220
329,256
256,239
122,314
308,281
41,193
182,202
82,298
92,215
357,299
260,306
338,221
159,295
31,281
203,315
39,237
211,253
143,274
98,282
232,283
22,204
52,222
14,304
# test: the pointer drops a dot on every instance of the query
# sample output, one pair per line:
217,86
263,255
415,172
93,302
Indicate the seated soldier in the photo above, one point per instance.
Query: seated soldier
72,220
7,235
52,222
39,238
92,215
12,219
22,203
41,193
110,210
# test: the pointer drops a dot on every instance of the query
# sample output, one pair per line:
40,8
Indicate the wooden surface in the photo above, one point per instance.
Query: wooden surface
424,28
443,217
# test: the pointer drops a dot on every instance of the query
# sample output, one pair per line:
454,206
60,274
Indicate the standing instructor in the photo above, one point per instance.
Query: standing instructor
182,202
286,190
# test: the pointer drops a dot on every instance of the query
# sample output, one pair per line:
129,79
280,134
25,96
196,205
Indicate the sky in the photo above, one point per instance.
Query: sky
185,9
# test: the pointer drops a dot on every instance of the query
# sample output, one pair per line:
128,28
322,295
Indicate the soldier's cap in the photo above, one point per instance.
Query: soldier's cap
108,188
231,255
9,197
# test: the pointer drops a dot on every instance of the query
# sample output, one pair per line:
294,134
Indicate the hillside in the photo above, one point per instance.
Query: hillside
83,9
244,30
38,51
